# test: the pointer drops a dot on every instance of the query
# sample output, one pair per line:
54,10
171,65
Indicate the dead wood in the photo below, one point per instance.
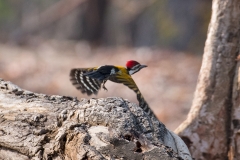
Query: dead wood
39,126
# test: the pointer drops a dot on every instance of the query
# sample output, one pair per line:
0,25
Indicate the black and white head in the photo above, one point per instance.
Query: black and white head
134,66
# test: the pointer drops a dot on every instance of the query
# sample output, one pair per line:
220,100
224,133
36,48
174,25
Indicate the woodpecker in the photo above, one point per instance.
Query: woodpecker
90,80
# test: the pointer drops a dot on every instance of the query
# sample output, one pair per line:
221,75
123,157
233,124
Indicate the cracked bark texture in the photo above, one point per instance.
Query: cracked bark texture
39,126
207,130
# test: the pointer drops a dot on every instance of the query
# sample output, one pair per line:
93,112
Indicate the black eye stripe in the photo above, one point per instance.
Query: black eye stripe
135,67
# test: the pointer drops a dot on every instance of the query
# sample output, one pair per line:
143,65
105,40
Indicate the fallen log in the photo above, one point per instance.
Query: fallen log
39,126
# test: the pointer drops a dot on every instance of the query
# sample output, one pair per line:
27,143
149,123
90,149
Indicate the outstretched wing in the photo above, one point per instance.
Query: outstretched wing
127,80
130,83
85,83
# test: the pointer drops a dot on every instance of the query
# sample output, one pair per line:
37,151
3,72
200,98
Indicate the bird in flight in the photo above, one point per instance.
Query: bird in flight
90,80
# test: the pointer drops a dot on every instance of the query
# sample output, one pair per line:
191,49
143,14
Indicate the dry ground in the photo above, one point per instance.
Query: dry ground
168,83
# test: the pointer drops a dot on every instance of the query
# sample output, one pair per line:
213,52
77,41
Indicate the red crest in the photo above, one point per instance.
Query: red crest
131,63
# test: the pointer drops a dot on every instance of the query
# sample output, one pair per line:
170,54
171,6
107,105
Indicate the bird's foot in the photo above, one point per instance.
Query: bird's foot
103,86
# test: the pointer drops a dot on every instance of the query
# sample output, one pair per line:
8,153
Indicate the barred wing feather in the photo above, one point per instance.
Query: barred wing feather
84,83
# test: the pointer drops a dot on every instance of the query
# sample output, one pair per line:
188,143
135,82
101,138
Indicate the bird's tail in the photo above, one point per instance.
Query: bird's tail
158,127
144,105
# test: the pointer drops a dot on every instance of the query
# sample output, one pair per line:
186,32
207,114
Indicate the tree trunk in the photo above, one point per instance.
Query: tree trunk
38,126
93,21
207,130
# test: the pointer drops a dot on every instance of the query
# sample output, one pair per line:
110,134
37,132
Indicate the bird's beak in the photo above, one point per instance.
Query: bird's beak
143,66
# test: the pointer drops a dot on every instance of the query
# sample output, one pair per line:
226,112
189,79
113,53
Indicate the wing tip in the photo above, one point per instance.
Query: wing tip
76,82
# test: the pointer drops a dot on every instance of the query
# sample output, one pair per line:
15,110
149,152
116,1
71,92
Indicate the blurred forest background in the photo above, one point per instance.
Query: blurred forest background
41,40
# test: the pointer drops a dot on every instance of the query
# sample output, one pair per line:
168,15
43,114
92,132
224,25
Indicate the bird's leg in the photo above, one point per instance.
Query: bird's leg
103,85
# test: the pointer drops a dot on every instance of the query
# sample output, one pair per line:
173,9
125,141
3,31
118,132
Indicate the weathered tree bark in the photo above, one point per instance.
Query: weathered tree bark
234,150
38,126
207,130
